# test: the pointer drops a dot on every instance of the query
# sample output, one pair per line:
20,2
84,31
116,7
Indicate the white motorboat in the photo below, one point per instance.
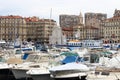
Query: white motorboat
41,73
69,71
5,66
34,61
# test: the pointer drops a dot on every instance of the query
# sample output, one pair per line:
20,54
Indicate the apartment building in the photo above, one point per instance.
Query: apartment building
94,19
89,33
29,28
12,27
70,20
111,28
39,29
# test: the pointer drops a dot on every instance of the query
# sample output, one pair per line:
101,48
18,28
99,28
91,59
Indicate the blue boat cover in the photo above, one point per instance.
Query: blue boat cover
69,59
25,56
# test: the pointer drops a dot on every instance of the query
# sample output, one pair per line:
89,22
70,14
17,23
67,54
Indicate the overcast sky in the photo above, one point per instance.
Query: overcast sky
42,8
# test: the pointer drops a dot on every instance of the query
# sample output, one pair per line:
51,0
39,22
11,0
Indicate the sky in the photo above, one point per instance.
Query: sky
53,8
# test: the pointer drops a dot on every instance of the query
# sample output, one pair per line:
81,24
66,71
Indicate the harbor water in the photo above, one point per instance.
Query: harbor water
12,78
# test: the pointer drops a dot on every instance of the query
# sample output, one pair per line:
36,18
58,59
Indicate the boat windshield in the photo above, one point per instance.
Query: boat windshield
39,58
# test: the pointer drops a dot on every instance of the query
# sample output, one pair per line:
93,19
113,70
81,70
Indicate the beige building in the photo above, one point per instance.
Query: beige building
30,28
88,32
95,19
39,29
12,27
111,28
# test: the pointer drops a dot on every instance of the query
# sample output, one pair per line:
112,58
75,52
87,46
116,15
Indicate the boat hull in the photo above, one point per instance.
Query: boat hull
70,76
6,74
19,73
41,77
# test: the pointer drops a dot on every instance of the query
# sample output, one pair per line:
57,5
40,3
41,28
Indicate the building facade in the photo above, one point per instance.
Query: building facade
12,27
111,28
39,29
70,20
94,19
30,28
89,33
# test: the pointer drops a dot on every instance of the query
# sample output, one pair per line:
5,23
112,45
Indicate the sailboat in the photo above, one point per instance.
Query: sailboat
57,38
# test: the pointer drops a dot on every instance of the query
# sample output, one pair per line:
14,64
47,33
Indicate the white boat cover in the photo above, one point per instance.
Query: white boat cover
70,66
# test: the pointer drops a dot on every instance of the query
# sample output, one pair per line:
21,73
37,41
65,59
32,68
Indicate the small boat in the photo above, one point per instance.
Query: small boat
69,71
33,62
19,70
41,73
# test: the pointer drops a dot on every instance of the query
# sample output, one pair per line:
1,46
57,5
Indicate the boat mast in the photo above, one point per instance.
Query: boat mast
50,18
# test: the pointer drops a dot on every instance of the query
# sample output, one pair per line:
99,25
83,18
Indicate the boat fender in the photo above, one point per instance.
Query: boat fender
15,66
